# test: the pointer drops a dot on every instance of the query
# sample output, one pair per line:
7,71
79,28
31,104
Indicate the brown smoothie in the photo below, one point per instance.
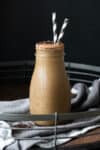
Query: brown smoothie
49,88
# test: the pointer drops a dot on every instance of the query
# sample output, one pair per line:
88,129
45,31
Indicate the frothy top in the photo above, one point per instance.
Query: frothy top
47,45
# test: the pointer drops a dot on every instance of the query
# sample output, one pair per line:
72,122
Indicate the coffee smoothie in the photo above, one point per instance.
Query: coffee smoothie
49,88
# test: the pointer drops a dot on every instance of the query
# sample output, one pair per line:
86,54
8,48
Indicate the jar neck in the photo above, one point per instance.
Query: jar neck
50,51
49,59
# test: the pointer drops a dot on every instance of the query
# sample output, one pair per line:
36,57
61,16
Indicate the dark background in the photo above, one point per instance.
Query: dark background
24,22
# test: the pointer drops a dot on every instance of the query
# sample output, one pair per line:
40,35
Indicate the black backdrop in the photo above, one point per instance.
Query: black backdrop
24,22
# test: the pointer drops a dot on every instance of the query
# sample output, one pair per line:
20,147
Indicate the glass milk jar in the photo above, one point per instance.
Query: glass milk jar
49,88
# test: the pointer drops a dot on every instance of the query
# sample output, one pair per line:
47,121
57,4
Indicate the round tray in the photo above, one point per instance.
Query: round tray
23,70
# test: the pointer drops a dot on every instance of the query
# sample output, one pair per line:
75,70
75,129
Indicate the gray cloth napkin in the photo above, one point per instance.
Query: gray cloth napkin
85,98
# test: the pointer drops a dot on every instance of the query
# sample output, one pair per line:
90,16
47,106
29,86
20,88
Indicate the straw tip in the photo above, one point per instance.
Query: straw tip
54,15
66,19
54,12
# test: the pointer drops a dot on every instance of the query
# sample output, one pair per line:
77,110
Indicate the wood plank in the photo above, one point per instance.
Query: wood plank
89,139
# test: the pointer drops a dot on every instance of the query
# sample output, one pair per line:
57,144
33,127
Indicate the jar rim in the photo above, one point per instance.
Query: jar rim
47,45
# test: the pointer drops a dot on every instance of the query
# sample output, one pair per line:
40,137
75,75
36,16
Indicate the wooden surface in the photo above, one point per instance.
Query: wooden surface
87,139
17,90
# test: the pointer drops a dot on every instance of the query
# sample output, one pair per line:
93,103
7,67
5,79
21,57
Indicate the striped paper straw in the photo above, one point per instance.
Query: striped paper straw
64,25
54,27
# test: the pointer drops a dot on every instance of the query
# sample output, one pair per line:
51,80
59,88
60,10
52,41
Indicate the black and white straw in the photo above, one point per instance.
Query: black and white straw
64,25
54,27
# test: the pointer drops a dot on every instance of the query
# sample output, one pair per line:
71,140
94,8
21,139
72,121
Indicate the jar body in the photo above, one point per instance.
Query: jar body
49,88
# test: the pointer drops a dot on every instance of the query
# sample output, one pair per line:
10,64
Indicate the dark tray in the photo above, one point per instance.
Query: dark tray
15,79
